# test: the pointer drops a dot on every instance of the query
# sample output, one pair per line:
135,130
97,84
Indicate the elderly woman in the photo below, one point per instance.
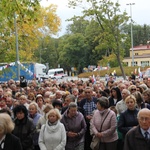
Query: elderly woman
7,140
146,96
43,119
104,124
132,88
128,119
24,101
75,126
24,127
52,135
33,113
40,101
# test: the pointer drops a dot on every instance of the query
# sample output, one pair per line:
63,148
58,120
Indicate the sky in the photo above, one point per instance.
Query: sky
140,11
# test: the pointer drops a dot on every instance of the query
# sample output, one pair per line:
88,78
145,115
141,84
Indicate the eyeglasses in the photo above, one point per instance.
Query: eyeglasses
144,119
144,78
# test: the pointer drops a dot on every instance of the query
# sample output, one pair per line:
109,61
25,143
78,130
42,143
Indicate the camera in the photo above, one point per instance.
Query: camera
23,81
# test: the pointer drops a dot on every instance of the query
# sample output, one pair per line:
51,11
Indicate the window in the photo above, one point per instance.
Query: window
144,63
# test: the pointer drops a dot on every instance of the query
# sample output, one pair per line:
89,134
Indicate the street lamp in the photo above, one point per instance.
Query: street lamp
131,32
17,51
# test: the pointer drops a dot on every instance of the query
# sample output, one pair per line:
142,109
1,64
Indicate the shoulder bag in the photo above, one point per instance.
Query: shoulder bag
95,140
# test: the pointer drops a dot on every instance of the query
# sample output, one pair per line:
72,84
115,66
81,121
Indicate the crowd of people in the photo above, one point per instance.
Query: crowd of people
75,115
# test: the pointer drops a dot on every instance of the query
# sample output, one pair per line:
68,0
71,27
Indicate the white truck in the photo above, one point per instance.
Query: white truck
28,70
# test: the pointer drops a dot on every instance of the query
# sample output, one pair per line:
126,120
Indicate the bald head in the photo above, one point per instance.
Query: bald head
144,118
144,111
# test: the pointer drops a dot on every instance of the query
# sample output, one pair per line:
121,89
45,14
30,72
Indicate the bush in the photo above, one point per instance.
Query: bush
102,73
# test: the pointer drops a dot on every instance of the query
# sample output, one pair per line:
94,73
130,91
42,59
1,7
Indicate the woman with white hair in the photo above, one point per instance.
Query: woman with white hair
43,119
33,113
52,135
7,140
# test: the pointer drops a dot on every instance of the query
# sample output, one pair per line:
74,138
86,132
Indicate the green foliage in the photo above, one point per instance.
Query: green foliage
111,59
74,51
102,73
110,22
32,22
141,33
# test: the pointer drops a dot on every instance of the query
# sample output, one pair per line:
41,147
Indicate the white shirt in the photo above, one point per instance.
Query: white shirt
1,141
143,132
121,106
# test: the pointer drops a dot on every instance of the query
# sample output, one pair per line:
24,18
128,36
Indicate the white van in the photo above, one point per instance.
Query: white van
57,73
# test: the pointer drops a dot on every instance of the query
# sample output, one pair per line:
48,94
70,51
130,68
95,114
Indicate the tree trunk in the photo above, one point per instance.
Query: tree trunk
121,67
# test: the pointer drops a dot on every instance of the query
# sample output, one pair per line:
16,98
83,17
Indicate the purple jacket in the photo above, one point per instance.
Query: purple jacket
75,124
109,125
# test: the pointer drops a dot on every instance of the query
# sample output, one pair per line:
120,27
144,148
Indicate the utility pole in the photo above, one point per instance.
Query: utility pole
130,4
17,51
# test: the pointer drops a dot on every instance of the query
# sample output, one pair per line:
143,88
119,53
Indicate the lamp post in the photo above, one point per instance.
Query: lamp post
17,51
131,32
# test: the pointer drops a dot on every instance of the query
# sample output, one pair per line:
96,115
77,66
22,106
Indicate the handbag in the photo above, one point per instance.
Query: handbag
95,144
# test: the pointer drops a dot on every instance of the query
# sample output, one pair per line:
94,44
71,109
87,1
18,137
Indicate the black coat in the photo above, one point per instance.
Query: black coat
127,120
12,143
24,130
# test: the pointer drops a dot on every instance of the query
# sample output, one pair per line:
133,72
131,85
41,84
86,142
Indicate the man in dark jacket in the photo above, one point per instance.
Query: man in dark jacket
138,138
88,105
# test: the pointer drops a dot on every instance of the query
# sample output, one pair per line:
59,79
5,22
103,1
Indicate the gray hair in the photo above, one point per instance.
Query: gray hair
34,104
72,105
127,91
103,101
71,97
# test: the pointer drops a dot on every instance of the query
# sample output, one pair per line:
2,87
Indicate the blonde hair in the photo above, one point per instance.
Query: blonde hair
131,86
34,104
48,106
55,111
6,124
23,97
8,93
131,97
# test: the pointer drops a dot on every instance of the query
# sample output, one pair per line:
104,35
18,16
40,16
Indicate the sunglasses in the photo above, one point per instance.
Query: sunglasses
87,92
133,89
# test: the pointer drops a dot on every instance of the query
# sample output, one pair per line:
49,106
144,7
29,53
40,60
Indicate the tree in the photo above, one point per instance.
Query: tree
74,51
33,23
110,21
141,33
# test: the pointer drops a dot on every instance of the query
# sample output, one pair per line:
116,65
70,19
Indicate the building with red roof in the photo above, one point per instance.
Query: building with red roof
141,55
